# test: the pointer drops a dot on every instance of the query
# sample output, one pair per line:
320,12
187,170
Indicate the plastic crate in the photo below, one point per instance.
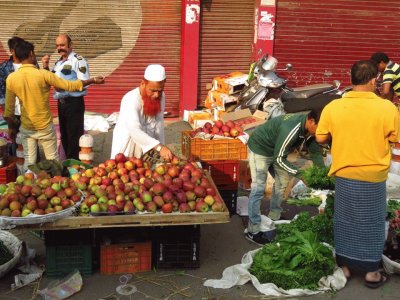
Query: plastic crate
177,247
225,173
8,173
125,258
62,259
230,199
216,149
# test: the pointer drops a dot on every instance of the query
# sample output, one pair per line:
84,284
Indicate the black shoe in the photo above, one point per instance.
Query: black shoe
261,238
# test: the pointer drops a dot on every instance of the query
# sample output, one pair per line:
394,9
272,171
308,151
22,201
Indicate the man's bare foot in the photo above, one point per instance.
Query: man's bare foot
346,271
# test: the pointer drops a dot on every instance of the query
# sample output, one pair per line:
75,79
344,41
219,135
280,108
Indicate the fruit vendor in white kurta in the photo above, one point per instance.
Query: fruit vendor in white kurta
140,125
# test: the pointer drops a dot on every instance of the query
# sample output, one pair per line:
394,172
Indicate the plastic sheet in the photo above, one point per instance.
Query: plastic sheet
64,288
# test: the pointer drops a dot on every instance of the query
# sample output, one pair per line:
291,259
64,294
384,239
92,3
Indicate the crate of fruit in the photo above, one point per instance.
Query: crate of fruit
212,149
125,258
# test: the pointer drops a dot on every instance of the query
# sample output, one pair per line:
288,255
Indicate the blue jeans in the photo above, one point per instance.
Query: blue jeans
259,168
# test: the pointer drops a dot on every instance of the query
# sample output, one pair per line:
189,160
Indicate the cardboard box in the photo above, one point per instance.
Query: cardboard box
244,175
259,117
230,83
197,118
220,100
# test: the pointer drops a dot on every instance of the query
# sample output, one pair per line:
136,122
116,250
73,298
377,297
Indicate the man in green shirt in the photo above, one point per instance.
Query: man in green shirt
269,146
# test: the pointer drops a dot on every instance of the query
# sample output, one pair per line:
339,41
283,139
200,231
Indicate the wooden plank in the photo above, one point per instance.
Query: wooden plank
136,220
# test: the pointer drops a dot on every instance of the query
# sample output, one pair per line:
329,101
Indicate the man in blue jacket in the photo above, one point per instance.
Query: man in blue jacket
269,146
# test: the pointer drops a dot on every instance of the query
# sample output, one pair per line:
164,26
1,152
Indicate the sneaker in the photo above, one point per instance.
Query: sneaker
260,238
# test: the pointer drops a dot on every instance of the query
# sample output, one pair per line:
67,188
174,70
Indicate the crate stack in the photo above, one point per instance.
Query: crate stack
220,157
225,174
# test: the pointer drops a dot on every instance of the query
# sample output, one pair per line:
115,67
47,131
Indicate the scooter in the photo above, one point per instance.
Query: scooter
265,84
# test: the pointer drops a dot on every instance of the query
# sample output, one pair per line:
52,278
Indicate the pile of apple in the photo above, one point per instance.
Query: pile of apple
228,129
244,121
40,196
131,185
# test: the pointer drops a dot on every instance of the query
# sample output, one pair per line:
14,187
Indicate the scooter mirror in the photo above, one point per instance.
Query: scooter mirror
336,83
288,67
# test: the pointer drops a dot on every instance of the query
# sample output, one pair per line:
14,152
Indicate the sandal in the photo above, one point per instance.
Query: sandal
376,284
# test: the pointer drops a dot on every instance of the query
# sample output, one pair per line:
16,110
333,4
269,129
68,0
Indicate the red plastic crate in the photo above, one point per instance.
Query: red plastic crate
8,173
125,258
225,173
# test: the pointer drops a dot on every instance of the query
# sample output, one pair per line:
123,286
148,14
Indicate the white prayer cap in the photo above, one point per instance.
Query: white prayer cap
154,73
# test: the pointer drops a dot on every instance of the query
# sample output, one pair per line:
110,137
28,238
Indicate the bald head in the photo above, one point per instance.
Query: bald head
64,45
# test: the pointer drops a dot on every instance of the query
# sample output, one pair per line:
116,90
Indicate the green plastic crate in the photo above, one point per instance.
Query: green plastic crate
61,260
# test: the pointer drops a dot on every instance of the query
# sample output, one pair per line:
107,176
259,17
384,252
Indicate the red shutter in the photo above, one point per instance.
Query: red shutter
118,38
322,39
226,33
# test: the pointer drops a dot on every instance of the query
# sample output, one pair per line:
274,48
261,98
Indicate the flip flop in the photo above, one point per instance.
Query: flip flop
376,284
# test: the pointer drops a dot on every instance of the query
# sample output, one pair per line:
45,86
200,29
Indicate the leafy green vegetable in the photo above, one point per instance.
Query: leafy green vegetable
321,224
392,206
297,261
313,201
317,178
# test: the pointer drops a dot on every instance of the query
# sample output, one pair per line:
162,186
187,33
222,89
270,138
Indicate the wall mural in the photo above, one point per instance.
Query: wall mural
83,20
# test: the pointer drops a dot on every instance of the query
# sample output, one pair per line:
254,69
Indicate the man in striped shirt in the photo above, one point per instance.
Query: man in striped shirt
269,146
391,75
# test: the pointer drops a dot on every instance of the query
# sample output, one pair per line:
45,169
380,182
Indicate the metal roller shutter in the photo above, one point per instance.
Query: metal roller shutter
226,35
322,39
118,38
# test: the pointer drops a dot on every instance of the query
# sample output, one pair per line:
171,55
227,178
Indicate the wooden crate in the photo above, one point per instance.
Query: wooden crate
215,149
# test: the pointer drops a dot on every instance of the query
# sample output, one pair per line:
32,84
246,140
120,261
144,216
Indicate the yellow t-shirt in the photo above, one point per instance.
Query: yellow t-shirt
32,87
361,125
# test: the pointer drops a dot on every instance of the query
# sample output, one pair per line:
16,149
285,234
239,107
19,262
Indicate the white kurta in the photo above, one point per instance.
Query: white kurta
134,133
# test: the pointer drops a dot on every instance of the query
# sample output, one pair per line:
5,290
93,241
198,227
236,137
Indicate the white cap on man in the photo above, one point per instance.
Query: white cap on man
155,73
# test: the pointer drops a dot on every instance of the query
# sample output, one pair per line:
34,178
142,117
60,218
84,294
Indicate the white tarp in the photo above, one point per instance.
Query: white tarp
239,275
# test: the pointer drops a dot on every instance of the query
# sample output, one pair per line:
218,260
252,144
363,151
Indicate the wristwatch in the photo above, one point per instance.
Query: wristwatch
158,148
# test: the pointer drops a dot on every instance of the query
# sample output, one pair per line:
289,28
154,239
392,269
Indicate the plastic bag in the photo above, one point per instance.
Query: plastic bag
64,288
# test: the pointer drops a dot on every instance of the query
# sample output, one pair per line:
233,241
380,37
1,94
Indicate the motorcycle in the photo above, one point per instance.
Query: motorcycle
266,85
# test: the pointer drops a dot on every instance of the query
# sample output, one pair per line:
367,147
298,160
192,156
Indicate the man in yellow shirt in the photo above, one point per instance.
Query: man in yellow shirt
360,126
32,87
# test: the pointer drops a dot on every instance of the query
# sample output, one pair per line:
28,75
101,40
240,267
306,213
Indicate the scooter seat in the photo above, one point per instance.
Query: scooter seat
307,91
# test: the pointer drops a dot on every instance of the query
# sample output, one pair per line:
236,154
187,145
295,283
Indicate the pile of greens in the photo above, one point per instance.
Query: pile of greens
317,178
297,261
312,201
321,225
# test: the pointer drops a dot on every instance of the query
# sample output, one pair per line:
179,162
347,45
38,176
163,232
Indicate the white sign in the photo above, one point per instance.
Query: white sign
267,2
